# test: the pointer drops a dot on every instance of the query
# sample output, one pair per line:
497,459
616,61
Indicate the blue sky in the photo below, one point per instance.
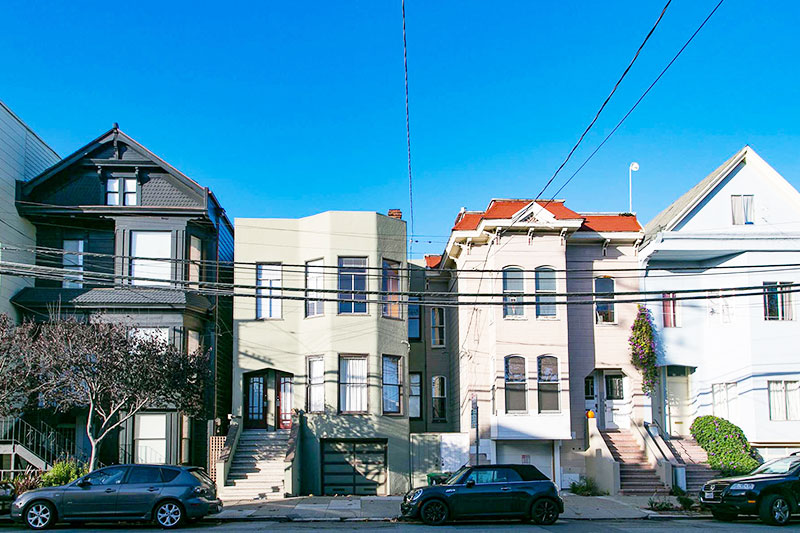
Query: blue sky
287,109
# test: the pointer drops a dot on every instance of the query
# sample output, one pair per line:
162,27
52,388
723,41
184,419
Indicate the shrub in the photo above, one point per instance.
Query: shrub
659,503
586,486
31,479
64,472
725,444
686,502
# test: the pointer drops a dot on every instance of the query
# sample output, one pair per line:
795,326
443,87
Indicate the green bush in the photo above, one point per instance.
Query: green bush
725,444
660,503
686,502
586,486
64,472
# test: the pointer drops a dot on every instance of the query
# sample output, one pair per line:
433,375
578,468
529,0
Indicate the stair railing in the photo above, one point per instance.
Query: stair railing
15,430
225,458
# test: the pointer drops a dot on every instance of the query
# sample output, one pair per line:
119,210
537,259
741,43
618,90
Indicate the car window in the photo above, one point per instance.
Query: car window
168,474
778,466
453,479
481,476
144,474
506,475
107,476
201,476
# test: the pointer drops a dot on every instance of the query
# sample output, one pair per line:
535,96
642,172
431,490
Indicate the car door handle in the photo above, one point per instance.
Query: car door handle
152,489
450,490
505,488
111,490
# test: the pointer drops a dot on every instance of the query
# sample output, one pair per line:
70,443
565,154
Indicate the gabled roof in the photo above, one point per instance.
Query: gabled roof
667,219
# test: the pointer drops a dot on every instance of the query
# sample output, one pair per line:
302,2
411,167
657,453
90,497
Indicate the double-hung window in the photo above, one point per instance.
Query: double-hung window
513,288
390,282
353,384
413,318
545,292
588,388
316,385
437,327
723,396
604,300
515,384
352,277
195,260
548,383
72,261
742,209
415,395
151,253
778,300
268,282
784,400
314,283
392,387
720,307
670,310
439,398
123,189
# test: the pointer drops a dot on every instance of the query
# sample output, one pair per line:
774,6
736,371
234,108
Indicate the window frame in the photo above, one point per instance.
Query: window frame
347,296
586,386
342,386
513,299
609,377
605,296
73,281
266,293
318,274
148,262
415,317
121,191
784,303
785,399
670,310
436,399
436,326
194,274
540,382
523,381
399,385
739,209
312,386
724,395
542,294
419,395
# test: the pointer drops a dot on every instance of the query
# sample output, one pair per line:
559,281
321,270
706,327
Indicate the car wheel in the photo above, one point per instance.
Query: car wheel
724,517
775,510
434,512
544,512
169,514
40,515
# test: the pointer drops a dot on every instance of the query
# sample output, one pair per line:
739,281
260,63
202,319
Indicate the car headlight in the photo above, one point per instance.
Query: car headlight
19,503
743,486
415,496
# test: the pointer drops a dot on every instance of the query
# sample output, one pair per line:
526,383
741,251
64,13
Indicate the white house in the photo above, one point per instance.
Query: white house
729,353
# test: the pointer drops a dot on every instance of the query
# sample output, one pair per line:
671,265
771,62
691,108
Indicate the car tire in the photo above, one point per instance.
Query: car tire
169,514
544,512
724,517
40,515
434,512
775,510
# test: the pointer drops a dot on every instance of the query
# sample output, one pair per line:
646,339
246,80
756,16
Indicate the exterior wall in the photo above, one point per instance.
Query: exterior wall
285,343
23,155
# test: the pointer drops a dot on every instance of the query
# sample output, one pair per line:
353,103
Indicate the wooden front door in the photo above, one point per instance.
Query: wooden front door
255,401
284,401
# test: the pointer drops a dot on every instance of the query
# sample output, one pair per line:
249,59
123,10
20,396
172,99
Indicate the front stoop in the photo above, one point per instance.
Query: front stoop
637,476
258,466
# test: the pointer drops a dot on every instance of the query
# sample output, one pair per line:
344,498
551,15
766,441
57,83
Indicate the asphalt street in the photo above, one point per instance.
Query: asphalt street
563,526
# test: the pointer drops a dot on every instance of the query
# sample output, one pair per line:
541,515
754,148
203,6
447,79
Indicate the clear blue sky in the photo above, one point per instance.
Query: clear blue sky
287,109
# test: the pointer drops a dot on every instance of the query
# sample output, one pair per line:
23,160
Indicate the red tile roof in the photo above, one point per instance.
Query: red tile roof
610,223
433,261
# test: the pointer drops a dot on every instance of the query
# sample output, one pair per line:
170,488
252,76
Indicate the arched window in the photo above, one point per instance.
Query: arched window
513,288
548,382
439,398
545,292
515,384
604,296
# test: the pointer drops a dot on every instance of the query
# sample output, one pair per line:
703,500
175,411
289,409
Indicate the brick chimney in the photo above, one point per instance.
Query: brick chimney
396,213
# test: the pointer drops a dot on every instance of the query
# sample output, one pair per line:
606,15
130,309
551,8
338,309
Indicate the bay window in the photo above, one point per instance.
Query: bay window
352,277
268,282
353,384
392,388
72,261
390,282
151,254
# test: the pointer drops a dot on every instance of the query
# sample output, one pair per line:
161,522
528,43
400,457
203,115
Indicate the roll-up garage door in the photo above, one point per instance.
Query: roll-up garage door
537,453
354,467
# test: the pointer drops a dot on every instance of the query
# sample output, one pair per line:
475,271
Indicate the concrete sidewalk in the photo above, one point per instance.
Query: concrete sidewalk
375,508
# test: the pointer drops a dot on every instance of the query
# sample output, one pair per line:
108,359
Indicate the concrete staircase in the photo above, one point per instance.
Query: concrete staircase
688,452
637,476
258,466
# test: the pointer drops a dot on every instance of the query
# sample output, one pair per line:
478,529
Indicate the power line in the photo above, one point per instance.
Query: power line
408,123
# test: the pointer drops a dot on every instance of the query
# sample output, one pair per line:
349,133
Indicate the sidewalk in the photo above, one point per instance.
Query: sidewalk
376,508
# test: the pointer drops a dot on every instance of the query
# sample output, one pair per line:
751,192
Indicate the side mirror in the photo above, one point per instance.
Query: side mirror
84,483
470,483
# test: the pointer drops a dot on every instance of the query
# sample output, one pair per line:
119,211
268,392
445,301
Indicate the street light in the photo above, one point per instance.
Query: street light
631,169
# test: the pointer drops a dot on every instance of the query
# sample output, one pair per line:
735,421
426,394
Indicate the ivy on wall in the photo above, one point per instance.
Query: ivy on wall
643,349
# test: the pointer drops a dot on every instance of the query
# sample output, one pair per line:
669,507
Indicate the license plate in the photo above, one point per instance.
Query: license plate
709,495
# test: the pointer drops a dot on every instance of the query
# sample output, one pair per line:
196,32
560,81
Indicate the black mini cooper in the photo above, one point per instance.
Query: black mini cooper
487,491
771,491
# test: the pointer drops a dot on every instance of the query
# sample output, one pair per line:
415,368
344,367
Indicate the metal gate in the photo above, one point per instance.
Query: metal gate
354,467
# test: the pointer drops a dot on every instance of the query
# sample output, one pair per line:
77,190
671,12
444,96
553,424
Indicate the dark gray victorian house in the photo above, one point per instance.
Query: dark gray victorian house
102,211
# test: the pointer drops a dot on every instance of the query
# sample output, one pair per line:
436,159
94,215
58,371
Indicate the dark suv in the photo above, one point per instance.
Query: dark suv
771,491
167,495
497,491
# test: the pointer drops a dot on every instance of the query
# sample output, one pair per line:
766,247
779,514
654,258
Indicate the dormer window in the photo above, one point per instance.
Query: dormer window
123,189
742,209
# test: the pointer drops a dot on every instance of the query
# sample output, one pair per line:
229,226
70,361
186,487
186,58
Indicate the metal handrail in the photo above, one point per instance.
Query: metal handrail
15,430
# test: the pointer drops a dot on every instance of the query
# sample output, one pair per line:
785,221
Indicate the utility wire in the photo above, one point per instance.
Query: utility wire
408,125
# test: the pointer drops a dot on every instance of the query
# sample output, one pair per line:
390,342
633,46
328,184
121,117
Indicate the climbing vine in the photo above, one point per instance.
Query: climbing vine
643,349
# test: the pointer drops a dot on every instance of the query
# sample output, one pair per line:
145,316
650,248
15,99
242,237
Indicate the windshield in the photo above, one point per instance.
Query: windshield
778,466
453,478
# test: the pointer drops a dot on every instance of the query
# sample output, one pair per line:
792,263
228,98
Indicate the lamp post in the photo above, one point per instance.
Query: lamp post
631,169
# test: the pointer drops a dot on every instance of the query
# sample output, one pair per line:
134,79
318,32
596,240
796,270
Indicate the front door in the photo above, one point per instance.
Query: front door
614,400
255,401
284,401
678,415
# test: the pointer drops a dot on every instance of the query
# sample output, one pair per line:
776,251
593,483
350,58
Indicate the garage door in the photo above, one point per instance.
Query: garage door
537,453
354,467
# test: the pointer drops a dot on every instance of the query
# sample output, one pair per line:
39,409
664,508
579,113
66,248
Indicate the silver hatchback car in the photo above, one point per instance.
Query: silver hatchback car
167,495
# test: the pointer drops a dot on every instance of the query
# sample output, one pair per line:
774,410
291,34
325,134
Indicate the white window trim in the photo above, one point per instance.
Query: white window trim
350,296
345,385
434,326
154,264
267,291
309,384
545,268
506,382
315,269
513,294
598,301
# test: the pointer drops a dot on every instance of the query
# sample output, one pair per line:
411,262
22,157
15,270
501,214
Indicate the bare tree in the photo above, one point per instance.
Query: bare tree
115,372
18,371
